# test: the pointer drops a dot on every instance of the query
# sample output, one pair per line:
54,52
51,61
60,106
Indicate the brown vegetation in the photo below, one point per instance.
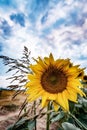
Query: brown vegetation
9,107
6,98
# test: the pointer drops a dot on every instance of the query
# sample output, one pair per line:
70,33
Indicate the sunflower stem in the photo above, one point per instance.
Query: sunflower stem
48,117
79,123
35,113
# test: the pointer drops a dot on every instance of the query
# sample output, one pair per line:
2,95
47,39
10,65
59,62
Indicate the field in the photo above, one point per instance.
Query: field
9,108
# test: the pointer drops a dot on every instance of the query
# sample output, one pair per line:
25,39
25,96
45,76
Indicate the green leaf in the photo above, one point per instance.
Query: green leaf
78,105
9,128
60,129
83,118
69,126
31,125
71,106
58,117
85,90
23,124
84,102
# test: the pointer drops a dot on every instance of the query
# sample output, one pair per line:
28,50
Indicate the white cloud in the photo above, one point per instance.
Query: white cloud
58,41
54,13
3,82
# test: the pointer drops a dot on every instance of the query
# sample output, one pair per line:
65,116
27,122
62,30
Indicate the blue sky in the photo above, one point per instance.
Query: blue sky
44,26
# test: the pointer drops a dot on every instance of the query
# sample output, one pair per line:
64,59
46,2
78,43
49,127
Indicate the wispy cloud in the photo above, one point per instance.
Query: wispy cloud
44,26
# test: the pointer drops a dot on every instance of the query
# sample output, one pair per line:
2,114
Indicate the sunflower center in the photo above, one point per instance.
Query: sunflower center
53,80
85,77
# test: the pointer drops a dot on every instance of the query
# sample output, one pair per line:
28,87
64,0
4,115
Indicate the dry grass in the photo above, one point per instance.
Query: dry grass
9,107
6,98
9,110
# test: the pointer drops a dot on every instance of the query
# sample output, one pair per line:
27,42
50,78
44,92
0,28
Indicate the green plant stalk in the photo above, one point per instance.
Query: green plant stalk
79,123
48,118
35,114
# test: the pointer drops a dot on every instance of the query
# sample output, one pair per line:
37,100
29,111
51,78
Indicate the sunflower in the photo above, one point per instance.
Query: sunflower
84,81
54,80
85,78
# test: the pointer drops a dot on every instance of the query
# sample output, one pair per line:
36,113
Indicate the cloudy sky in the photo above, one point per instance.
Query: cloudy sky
44,26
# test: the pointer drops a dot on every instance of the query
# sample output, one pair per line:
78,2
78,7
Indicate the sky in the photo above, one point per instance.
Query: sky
44,26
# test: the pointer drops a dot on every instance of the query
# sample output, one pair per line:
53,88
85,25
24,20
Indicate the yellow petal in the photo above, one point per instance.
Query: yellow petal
34,89
60,100
74,82
46,103
44,99
34,96
32,84
41,62
52,96
56,106
61,63
76,89
33,77
51,58
37,69
72,69
65,68
65,100
72,96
